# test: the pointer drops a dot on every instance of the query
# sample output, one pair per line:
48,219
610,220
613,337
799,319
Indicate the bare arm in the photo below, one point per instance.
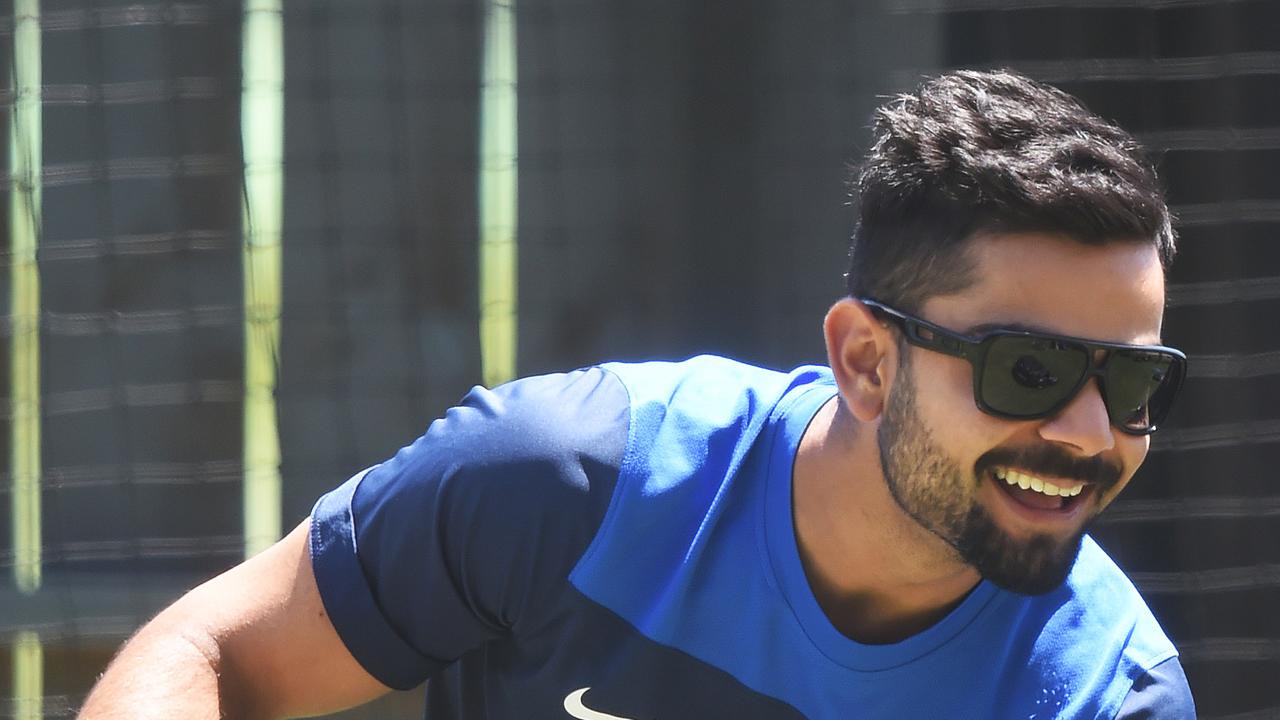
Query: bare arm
254,642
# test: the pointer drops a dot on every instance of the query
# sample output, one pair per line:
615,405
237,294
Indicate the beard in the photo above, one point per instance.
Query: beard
931,489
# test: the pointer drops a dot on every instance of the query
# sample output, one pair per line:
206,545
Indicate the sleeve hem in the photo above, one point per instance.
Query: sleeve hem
348,600
1160,693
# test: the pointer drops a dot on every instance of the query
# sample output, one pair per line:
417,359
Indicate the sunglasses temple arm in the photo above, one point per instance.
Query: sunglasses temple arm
939,339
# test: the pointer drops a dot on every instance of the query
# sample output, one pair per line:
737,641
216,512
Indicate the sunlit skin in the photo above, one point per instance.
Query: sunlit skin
877,572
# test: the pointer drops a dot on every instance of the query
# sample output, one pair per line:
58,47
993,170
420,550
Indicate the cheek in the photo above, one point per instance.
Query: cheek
944,390
944,399
1132,451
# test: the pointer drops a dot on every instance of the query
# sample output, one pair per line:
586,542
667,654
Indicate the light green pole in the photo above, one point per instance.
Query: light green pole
262,137
28,677
24,295
497,195
25,177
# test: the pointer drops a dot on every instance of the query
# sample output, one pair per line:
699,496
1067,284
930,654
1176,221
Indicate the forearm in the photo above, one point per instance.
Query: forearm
254,642
165,672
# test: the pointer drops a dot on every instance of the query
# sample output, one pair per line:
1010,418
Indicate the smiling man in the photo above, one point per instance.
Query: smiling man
898,535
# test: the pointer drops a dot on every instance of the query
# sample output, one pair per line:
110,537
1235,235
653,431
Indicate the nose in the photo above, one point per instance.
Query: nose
1083,423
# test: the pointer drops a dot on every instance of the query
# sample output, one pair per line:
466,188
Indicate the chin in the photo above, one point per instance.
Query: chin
1035,566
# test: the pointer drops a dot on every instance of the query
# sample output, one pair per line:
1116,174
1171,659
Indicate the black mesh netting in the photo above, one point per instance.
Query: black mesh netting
681,172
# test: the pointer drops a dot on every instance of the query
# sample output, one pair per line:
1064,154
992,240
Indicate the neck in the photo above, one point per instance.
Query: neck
875,572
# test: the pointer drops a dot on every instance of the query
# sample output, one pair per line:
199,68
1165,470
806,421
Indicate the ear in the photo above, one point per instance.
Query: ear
863,354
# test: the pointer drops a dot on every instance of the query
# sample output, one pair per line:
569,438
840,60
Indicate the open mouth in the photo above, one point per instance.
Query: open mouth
1040,495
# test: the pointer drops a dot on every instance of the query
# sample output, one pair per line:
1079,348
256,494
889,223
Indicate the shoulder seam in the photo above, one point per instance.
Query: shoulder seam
628,454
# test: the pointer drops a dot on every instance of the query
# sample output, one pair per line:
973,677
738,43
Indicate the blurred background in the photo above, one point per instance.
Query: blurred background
251,249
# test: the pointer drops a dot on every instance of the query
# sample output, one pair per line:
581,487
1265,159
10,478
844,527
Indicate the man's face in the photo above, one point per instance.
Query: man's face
948,464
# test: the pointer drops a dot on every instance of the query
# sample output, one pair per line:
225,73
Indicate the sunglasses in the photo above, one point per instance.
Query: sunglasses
1029,375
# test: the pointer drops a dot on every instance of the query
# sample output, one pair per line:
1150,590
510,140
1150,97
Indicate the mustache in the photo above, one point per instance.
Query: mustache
1054,461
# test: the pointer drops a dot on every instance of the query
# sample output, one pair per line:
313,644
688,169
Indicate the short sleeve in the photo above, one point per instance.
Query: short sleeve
469,534
1162,693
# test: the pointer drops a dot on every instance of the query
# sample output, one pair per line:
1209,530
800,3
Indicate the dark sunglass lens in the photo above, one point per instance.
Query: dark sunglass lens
1030,376
1140,386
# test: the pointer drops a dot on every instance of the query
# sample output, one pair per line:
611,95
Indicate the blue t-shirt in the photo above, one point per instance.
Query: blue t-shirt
617,542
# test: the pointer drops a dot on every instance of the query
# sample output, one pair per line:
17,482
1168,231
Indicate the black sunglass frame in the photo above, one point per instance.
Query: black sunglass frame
974,350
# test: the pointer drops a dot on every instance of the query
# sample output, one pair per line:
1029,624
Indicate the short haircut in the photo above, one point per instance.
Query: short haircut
977,152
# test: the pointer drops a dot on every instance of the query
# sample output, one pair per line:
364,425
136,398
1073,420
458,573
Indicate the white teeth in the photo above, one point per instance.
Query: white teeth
1028,482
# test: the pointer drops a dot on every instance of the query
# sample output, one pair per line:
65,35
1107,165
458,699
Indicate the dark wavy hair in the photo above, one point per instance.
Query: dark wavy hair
972,152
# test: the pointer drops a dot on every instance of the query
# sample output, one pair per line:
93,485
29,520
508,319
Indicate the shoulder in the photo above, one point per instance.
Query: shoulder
548,428
710,383
1157,687
700,409
529,418
515,439
692,483
1101,596
1097,630
468,532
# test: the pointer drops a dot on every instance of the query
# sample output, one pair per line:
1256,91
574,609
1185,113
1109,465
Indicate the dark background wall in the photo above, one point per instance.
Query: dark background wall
681,189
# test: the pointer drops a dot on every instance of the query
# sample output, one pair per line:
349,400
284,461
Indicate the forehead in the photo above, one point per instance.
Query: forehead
1112,292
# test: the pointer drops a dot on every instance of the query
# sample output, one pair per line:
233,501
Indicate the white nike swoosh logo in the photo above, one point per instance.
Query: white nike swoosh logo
573,705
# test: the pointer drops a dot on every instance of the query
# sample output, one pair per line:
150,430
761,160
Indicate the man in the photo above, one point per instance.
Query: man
899,535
